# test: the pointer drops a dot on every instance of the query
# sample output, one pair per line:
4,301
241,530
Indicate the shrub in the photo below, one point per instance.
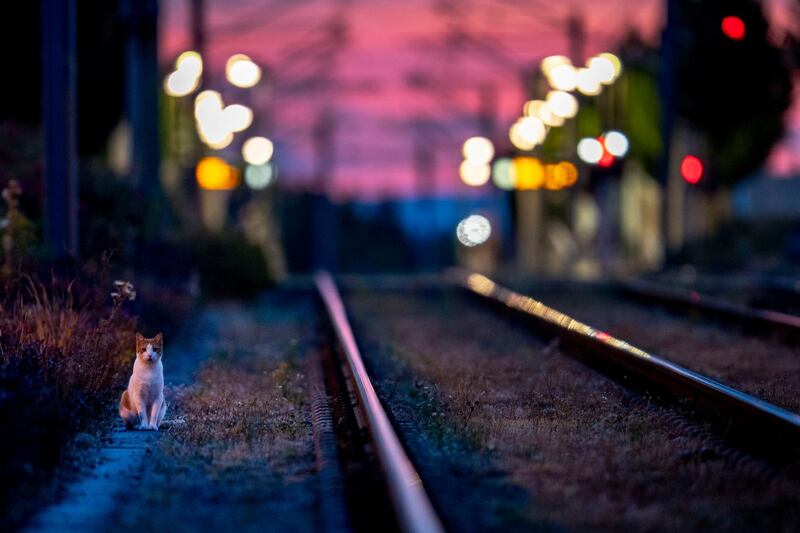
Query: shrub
62,361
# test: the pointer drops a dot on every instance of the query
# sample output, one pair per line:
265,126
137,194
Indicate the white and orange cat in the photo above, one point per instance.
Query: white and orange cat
142,405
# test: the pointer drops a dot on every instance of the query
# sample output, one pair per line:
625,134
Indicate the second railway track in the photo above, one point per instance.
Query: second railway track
770,425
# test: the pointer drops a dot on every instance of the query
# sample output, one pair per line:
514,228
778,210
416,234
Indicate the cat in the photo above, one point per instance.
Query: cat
142,405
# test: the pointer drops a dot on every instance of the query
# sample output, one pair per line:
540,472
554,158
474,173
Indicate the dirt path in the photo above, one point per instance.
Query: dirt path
240,454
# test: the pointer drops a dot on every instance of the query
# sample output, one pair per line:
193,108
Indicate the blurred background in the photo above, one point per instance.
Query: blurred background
232,143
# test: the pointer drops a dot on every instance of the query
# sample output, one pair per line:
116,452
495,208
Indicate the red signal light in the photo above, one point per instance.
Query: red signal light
733,27
691,169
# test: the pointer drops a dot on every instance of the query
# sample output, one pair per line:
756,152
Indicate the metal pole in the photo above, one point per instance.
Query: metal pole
59,114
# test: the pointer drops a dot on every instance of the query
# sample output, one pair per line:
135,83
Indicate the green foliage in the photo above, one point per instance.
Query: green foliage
228,264
643,116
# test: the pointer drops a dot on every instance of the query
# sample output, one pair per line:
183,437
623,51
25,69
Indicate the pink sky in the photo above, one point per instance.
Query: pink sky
386,45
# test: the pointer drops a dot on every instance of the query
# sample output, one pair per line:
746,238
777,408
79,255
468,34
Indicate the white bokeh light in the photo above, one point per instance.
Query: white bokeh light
590,150
474,174
616,143
473,230
241,71
257,150
478,150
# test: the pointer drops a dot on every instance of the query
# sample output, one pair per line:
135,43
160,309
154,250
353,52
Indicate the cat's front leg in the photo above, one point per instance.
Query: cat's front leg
155,414
141,408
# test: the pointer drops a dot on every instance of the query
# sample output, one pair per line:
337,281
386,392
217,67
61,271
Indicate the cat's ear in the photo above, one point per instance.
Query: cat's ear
139,337
159,338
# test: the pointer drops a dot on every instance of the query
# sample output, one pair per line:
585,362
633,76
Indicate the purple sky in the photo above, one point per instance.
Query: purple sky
399,76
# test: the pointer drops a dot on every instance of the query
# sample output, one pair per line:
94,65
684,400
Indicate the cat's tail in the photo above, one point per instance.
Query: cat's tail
128,415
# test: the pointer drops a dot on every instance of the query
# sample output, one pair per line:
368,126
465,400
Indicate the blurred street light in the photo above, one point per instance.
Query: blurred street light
258,177
551,62
237,117
563,78
616,143
602,68
186,76
588,82
503,174
734,28
215,174
241,71
692,169
474,174
562,104
590,150
614,61
257,150
473,230
478,150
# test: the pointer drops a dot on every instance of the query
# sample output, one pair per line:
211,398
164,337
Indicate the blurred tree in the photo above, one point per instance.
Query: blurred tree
733,86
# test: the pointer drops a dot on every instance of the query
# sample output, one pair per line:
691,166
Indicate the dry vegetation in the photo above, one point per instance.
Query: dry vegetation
62,359
242,458
767,369
588,454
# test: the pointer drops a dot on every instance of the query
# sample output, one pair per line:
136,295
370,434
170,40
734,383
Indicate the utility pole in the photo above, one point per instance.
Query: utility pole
198,13
60,117
672,220
142,86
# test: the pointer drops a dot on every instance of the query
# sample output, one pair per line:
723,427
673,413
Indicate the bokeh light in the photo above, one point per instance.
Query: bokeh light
190,62
258,177
614,61
733,27
551,62
478,150
562,104
237,117
215,174
602,68
186,77
473,230
529,173
180,83
691,169
241,71
563,77
588,83
590,150
474,174
504,175
616,143
257,150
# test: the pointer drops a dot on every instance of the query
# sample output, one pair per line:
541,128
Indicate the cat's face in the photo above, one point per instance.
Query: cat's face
149,350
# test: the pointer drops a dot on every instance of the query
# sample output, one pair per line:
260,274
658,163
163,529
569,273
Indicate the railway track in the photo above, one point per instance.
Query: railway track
412,509
758,420
759,321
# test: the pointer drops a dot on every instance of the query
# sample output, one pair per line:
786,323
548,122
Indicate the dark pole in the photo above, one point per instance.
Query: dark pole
198,27
667,88
59,114
142,86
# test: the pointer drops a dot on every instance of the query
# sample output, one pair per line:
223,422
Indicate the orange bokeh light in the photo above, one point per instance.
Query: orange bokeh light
215,174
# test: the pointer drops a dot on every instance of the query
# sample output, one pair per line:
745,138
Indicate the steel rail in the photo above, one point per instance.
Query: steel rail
412,505
758,412
761,319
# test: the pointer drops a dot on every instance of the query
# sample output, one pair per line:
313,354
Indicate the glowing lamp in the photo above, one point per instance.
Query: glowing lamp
241,71
478,150
691,169
214,174
473,230
503,174
733,27
474,174
257,150
590,150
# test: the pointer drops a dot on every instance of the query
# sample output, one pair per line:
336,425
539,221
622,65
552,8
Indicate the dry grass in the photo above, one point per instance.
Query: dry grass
61,361
243,460
589,455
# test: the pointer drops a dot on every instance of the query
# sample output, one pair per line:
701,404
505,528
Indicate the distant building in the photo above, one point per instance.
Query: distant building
763,197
